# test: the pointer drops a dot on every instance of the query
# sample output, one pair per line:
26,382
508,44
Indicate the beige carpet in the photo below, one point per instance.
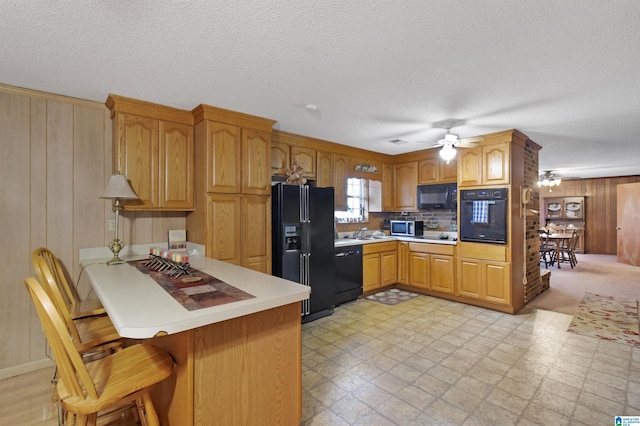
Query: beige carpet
594,273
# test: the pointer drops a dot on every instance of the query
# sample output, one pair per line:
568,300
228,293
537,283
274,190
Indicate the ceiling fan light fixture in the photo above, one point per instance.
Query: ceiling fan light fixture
448,152
549,180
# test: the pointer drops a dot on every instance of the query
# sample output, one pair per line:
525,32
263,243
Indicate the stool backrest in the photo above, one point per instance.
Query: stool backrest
72,369
57,272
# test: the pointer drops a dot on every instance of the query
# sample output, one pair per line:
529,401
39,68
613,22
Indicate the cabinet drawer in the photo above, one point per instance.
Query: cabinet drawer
483,251
379,247
445,249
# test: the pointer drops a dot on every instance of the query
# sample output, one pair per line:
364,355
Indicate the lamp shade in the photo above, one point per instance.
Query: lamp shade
448,152
118,187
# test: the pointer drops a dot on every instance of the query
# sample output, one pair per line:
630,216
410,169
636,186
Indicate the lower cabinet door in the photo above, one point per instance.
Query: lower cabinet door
371,271
389,268
419,270
497,282
469,277
442,273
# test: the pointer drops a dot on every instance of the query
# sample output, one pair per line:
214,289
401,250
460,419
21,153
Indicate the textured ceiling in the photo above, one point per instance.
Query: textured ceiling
566,73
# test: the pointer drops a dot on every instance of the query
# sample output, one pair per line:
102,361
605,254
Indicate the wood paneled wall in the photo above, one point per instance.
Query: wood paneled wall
56,160
601,201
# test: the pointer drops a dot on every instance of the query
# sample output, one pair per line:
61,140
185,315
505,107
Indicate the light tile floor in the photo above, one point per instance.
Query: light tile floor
429,361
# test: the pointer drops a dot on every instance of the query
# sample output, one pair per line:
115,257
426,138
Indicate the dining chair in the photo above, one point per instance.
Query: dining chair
567,249
547,250
77,308
121,378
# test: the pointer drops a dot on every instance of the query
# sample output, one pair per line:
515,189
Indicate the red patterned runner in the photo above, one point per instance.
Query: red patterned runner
207,292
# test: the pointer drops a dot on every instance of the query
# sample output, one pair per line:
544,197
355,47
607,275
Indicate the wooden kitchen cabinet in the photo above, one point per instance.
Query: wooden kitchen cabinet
470,278
136,156
564,208
484,165
419,270
497,282
239,230
256,233
371,272
340,176
442,273
232,215
379,265
223,157
388,188
324,169
332,172
154,148
305,157
486,280
432,267
406,186
428,171
256,151
280,158
233,151
436,170
283,155
403,262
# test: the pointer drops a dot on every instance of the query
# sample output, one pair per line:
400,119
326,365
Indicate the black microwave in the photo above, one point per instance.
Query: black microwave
441,196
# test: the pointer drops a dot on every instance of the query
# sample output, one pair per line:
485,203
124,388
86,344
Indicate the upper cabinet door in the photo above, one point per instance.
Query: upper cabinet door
428,171
470,167
448,171
223,158
176,170
496,164
406,186
136,157
388,188
279,158
324,169
340,166
256,156
305,157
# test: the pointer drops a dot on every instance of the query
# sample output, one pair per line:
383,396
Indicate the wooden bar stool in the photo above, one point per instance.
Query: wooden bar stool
77,308
86,389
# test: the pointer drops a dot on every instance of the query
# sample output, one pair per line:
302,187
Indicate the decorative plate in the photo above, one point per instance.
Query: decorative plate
573,206
554,207
570,213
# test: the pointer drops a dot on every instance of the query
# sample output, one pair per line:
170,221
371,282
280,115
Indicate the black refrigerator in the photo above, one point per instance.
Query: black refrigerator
303,243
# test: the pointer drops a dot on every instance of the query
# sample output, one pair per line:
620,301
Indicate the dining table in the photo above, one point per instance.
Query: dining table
560,240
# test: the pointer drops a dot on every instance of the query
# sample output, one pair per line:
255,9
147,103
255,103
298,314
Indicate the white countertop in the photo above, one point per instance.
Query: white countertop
140,308
427,238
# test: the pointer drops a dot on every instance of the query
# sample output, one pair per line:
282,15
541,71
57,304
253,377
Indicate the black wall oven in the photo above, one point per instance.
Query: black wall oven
483,215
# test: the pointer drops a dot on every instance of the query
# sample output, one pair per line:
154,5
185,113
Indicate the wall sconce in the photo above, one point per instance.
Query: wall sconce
117,189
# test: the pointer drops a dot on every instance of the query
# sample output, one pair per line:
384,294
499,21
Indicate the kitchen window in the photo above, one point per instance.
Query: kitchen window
357,210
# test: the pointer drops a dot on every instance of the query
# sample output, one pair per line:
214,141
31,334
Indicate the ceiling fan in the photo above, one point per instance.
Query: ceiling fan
451,141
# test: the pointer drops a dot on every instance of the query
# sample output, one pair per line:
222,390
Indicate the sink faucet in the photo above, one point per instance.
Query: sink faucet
359,234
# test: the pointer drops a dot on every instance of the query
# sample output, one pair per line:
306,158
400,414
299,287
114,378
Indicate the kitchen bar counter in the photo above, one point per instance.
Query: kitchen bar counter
140,308
238,363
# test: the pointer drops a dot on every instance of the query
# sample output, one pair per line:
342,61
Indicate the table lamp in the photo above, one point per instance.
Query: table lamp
117,189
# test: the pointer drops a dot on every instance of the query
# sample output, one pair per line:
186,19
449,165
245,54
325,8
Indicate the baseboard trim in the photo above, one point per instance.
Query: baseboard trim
17,370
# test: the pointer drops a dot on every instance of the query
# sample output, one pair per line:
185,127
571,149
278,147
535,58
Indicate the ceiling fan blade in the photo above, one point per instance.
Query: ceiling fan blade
474,139
463,144
432,144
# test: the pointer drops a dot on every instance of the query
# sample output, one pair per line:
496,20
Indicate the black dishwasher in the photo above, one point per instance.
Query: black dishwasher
348,273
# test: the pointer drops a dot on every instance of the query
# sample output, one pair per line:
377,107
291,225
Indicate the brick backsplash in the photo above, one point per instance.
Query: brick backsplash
444,218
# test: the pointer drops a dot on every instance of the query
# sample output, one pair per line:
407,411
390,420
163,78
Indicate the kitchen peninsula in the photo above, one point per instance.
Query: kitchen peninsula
238,363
